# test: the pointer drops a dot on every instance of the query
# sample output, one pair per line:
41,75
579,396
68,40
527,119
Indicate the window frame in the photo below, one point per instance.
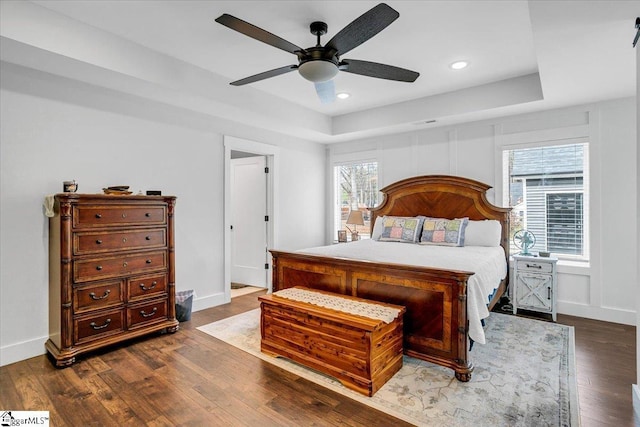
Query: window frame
345,160
503,178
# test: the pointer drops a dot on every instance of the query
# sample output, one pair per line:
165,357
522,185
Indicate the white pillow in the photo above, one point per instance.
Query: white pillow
483,233
378,228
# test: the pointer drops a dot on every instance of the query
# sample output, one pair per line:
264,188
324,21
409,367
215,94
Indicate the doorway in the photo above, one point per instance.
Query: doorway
248,180
242,185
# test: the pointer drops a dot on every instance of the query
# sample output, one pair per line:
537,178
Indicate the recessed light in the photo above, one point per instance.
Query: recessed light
459,65
343,95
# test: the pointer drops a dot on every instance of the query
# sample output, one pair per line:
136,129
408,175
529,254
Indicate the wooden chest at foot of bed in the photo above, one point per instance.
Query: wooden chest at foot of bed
361,352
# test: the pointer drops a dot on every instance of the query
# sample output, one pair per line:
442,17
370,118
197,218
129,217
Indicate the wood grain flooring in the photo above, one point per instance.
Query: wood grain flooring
192,379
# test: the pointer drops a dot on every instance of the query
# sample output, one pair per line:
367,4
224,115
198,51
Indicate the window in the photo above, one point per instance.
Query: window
564,223
356,189
547,188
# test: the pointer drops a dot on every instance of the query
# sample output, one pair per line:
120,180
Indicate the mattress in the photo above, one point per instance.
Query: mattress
487,263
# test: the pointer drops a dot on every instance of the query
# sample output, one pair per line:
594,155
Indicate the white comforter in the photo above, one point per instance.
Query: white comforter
488,264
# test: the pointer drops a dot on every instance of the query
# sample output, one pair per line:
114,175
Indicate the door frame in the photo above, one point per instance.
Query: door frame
271,153
250,166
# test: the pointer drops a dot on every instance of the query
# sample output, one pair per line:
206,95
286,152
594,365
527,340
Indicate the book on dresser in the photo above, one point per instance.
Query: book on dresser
111,271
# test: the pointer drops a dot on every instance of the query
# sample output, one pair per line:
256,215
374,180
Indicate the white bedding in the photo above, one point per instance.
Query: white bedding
488,264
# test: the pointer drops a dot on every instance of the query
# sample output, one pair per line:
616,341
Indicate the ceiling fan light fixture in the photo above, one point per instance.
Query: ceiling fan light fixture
459,65
318,71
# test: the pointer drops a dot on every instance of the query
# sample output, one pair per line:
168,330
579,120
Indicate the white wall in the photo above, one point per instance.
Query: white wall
636,386
54,129
606,288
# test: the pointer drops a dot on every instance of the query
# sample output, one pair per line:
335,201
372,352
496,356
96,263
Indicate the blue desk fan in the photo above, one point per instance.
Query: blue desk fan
525,240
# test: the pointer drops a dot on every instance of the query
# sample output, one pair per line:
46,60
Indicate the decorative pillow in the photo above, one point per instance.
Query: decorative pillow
443,232
401,229
483,233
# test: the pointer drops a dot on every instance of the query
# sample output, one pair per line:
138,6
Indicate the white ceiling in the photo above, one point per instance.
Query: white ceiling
581,51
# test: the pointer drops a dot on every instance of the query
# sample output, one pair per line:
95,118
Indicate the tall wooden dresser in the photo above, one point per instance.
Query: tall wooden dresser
111,271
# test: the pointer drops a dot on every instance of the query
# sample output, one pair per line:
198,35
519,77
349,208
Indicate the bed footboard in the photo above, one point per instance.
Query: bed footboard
435,324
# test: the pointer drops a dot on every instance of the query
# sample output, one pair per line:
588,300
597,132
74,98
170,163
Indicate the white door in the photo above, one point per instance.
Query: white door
248,226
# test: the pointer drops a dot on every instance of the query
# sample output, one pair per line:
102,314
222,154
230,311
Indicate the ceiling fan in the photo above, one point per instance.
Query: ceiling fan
320,64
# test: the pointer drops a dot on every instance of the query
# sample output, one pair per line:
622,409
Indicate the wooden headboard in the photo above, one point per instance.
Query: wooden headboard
442,196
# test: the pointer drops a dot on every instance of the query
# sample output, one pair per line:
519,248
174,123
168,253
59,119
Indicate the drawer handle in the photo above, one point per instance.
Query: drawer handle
124,215
99,268
124,264
124,240
98,216
148,261
94,297
98,242
148,215
548,293
538,266
145,314
96,327
144,288
148,238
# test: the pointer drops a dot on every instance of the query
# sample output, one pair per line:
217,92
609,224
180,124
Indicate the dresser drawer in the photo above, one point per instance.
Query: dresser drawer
103,268
146,286
90,242
117,215
540,267
94,327
97,295
145,313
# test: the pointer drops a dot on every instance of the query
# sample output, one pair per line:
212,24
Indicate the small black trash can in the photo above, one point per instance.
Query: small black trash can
184,301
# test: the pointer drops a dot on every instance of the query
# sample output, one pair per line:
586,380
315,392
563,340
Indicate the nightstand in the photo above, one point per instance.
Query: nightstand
534,284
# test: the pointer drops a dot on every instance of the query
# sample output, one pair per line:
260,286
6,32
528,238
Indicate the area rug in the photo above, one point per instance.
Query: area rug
524,376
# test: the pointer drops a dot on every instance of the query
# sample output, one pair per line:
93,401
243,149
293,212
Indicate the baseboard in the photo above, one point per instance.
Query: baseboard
208,301
636,403
606,314
23,350
27,349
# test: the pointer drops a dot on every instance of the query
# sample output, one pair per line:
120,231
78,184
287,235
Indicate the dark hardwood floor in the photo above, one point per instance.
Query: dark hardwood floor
189,378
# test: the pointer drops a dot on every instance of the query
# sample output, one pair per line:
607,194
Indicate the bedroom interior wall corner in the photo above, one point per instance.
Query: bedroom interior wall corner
636,386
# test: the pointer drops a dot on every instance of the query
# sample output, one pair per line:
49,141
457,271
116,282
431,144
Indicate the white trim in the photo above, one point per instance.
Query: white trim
337,159
636,402
548,136
272,154
342,159
589,311
596,219
22,350
208,301
510,145
502,146
575,268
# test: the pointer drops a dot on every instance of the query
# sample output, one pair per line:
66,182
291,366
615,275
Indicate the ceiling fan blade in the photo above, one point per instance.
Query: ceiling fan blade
380,71
265,75
326,91
363,28
257,33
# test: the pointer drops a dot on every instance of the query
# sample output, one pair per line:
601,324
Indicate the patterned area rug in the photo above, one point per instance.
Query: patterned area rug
524,376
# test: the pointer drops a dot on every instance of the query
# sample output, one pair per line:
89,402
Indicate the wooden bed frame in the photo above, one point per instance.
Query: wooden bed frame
436,324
